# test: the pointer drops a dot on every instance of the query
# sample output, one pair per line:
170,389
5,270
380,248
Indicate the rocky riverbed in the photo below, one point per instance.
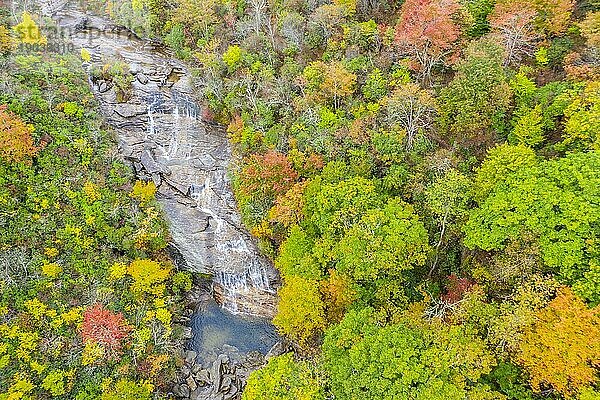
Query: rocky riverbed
222,349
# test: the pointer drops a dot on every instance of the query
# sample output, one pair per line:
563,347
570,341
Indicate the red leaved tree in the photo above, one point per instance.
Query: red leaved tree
267,175
104,327
456,288
427,33
513,24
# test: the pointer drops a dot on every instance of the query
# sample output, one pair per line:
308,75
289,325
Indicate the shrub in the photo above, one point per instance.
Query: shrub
16,142
104,327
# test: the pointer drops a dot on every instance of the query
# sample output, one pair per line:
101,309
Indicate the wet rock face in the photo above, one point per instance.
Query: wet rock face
161,132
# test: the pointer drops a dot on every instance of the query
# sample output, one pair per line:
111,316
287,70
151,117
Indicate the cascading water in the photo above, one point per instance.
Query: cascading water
160,130
151,125
173,146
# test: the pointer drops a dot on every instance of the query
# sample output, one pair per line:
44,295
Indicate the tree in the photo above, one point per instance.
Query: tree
338,294
447,199
412,109
513,24
148,276
474,104
382,249
288,208
262,178
7,43
501,161
590,29
556,202
104,327
562,348
125,389
427,32
295,256
332,208
479,11
300,312
285,379
196,19
528,129
582,124
404,360
329,82
16,142
553,15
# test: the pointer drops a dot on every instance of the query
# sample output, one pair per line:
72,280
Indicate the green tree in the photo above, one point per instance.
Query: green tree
383,250
447,198
529,128
473,106
478,11
295,256
582,119
500,162
332,208
285,379
125,389
404,360
556,201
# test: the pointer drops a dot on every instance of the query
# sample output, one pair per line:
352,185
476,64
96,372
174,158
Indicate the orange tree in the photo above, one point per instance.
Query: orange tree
562,348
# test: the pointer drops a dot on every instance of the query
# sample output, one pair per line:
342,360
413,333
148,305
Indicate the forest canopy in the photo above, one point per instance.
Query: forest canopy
424,174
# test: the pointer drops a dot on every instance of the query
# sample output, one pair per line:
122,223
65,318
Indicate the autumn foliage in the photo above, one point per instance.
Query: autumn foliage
456,288
267,175
562,349
513,25
104,327
427,32
288,207
16,142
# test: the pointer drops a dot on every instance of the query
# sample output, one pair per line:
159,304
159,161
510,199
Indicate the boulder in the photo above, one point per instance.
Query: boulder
181,390
190,357
191,383
143,79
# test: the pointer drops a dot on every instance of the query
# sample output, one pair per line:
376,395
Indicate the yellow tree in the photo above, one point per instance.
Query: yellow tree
329,82
7,43
338,83
301,312
562,348
590,29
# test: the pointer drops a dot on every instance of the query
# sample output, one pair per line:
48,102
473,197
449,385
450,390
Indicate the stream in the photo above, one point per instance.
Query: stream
161,132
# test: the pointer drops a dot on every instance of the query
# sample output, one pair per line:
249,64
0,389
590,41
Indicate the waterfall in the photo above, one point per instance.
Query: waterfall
235,282
236,286
192,158
174,140
151,124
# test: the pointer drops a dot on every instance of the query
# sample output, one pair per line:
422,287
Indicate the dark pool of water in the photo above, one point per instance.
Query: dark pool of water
215,329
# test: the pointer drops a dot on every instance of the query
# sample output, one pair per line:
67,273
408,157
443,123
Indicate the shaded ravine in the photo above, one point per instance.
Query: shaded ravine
161,132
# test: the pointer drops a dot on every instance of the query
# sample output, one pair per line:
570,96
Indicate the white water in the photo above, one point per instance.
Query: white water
237,283
192,158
